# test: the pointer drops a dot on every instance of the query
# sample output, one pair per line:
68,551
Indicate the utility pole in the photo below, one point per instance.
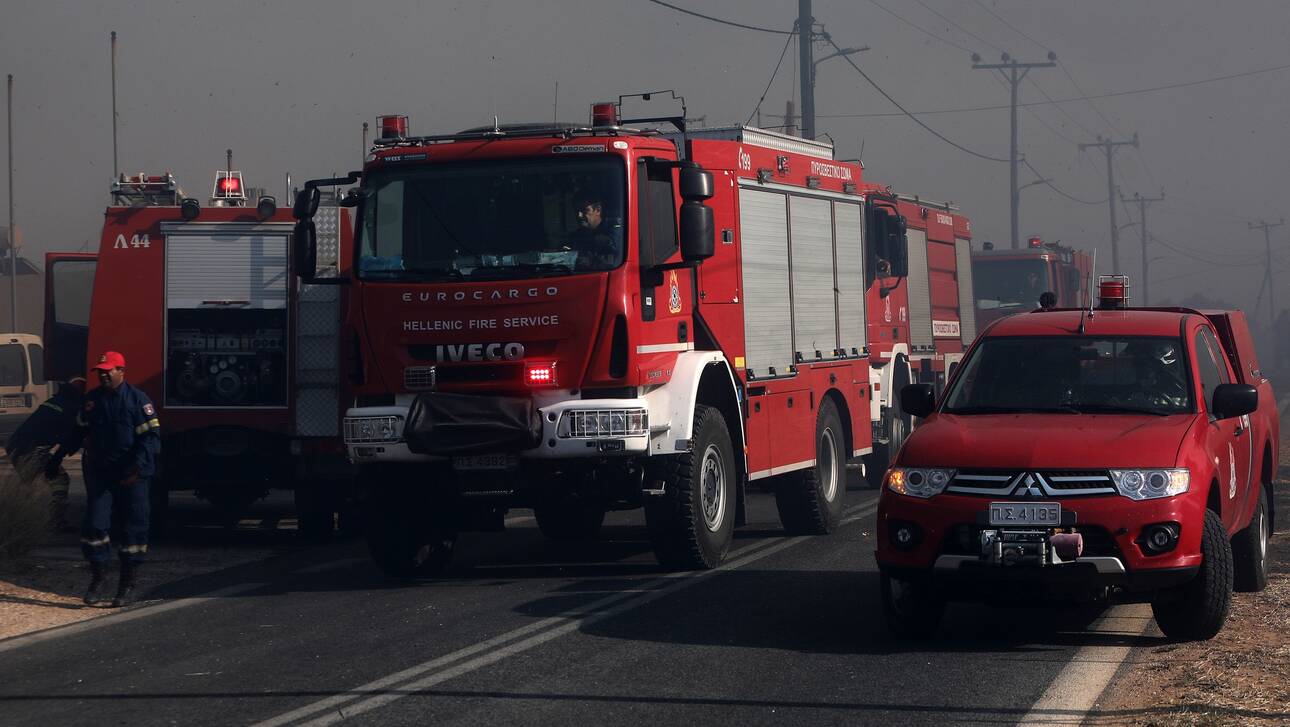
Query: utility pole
1109,146
363,152
115,169
805,37
1267,270
1142,222
1014,72
790,128
13,229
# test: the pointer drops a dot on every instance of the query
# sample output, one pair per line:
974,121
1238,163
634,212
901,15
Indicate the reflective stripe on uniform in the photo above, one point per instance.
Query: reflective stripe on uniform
80,420
92,543
150,424
134,549
53,406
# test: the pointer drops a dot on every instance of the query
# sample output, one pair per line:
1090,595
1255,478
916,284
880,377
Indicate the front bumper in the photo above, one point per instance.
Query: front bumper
619,442
946,524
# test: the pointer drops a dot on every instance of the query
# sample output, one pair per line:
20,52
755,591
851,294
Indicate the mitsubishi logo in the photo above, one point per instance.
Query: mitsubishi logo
1028,486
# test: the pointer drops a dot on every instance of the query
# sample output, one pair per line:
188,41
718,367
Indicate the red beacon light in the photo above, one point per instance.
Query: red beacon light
393,126
1036,242
228,191
1113,291
540,374
604,113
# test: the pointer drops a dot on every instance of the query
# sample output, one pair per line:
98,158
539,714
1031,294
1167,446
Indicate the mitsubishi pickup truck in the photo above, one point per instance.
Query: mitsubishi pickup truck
1087,456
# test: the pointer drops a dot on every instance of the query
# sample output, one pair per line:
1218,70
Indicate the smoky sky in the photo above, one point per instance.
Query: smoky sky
287,86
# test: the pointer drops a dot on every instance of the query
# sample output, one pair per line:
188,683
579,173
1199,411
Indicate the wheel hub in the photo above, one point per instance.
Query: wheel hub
713,488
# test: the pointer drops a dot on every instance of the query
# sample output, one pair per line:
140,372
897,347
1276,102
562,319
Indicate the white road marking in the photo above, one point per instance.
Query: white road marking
1076,688
429,673
130,614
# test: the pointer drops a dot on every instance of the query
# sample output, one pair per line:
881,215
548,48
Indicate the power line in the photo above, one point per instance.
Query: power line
915,119
919,28
1048,183
1112,94
787,42
722,21
1014,28
962,30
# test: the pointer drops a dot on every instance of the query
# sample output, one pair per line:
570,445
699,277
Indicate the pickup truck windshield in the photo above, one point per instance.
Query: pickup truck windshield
492,219
1003,283
1073,375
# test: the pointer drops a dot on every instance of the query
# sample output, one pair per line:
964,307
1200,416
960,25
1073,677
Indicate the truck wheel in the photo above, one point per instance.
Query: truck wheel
1250,550
692,523
912,609
403,542
810,501
569,520
315,511
1197,610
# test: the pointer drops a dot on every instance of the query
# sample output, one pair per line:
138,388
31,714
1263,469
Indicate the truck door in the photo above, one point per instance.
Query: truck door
1230,439
69,289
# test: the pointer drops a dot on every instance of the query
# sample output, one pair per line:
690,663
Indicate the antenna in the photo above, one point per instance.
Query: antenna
1090,295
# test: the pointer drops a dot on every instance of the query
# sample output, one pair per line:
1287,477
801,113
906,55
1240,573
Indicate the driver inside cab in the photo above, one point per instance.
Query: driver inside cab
596,240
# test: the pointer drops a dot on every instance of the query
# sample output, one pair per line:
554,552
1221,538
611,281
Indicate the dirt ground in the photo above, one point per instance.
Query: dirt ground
43,589
1240,677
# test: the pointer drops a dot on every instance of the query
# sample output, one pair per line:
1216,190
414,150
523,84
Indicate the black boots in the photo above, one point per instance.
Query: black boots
92,595
125,589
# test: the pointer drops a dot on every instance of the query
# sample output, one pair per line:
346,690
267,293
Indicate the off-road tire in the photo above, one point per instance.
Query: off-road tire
569,521
898,425
1250,550
681,532
1198,609
810,501
912,609
402,540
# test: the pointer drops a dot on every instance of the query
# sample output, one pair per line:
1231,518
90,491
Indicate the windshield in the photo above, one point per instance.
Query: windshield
1073,375
1002,283
503,219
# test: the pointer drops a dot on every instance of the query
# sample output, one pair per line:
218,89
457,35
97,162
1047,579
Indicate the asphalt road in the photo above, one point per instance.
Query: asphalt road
525,631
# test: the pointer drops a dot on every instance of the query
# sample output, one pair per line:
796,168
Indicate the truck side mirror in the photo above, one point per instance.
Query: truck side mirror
307,201
695,183
304,242
698,231
918,399
1234,400
898,246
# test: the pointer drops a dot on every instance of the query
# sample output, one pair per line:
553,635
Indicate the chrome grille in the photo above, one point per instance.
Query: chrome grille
419,378
1032,483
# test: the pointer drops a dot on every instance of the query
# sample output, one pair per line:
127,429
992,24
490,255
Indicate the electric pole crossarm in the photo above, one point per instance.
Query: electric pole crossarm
1013,72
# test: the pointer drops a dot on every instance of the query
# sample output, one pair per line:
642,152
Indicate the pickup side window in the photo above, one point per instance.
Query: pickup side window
1211,373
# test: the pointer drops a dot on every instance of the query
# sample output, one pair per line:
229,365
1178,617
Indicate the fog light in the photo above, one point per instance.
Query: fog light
1159,538
903,535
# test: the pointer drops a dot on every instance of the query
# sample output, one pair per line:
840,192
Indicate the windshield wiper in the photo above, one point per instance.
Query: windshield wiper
525,267
1118,408
437,272
1014,410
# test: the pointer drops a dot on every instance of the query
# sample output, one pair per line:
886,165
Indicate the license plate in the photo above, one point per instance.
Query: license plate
9,402
1048,514
486,462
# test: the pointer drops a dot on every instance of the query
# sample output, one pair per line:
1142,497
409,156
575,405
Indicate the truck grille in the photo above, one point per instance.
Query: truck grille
1032,483
419,378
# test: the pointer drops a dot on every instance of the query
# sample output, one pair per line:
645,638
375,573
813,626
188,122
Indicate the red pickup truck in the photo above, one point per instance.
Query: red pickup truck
1084,456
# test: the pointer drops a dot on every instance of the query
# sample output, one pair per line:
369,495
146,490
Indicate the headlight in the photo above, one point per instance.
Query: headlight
589,423
374,429
1151,484
918,482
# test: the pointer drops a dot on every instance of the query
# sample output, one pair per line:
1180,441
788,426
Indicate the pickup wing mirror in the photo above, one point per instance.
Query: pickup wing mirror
918,399
1234,400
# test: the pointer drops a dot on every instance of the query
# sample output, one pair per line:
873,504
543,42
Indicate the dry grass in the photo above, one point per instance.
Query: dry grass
24,512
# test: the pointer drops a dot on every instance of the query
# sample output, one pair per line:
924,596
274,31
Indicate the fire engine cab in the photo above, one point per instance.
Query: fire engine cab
1012,281
585,319
1087,454
240,361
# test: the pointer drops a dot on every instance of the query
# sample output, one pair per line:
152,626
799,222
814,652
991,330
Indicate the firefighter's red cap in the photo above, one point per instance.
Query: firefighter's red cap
110,360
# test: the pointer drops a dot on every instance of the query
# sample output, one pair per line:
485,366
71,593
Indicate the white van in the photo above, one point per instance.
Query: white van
22,379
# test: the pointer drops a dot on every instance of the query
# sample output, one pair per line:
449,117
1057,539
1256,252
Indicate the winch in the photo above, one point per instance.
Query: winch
1010,547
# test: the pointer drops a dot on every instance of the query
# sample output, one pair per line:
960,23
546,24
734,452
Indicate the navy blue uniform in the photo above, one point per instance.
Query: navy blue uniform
53,422
122,441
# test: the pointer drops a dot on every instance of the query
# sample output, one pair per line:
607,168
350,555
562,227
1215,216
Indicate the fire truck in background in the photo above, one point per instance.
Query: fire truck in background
1011,281
240,361
504,358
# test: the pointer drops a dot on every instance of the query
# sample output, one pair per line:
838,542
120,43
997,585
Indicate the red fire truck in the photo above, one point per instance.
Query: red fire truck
240,362
528,328
1011,281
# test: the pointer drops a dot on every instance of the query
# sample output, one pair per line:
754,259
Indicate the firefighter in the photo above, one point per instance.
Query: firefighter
122,439
594,238
41,442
